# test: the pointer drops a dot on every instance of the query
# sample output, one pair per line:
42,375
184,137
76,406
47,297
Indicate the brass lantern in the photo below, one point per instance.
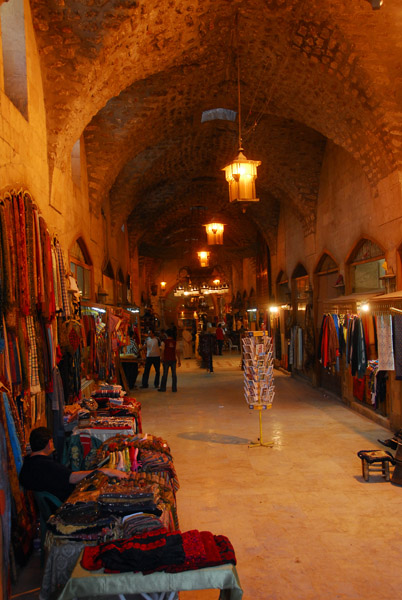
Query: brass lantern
214,233
241,175
203,257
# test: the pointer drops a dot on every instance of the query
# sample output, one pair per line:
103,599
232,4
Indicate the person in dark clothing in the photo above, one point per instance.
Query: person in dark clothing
220,338
170,358
41,473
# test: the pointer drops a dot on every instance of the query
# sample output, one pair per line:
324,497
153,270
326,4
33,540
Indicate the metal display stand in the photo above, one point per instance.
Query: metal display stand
259,389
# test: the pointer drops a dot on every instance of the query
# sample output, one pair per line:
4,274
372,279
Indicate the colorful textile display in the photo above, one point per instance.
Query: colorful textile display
160,551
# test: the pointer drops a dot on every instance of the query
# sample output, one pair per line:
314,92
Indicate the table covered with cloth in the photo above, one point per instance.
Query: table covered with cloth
98,583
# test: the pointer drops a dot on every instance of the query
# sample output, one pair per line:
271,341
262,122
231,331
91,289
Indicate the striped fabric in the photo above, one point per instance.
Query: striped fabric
32,356
64,294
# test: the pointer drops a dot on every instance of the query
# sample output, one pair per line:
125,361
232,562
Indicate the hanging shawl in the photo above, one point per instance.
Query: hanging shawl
10,232
385,346
48,305
32,356
19,222
56,280
30,250
397,337
361,350
64,294
14,441
6,275
40,289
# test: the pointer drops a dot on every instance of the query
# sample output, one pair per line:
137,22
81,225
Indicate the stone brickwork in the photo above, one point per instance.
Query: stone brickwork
135,76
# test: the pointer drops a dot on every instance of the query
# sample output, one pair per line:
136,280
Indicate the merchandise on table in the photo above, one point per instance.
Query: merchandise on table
160,550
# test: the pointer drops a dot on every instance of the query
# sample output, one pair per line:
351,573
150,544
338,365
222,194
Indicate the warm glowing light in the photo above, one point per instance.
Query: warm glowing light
203,257
217,281
273,309
365,307
214,233
163,285
241,175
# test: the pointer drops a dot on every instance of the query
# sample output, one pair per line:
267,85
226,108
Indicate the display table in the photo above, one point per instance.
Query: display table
97,583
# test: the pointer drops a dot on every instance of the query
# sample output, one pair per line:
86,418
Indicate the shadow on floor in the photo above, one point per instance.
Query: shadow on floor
216,438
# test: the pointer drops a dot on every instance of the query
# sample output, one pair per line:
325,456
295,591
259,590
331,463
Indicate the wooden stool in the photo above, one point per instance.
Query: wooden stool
375,457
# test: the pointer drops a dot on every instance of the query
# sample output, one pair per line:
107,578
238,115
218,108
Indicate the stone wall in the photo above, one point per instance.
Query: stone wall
24,164
348,209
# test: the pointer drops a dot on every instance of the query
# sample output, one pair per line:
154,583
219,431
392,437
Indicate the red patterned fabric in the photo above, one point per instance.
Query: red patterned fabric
160,551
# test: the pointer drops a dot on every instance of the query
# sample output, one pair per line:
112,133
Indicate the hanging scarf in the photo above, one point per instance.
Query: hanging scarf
30,251
64,294
32,356
19,216
40,289
397,338
385,346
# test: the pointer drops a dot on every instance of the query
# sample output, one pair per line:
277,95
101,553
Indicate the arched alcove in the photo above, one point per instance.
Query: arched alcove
366,266
81,267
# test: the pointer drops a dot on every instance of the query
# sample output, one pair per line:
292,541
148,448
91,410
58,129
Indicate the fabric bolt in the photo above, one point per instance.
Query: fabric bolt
397,341
386,360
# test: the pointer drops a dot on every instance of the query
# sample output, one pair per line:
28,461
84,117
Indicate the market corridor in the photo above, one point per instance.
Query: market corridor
303,523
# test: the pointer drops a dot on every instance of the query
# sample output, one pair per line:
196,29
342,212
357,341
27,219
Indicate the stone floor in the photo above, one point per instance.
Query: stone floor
303,522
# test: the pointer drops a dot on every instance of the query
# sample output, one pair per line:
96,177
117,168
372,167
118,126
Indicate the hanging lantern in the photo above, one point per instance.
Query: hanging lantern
214,233
241,175
203,257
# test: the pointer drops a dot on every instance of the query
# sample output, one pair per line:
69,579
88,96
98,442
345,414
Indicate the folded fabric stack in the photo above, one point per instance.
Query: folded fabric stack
139,523
98,504
160,551
105,392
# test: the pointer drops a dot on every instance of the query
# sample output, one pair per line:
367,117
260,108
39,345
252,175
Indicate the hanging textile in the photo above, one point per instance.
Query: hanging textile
328,344
63,286
14,441
309,338
397,341
386,360
5,511
32,356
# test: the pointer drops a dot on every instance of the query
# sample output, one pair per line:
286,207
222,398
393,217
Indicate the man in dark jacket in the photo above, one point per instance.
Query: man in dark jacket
41,473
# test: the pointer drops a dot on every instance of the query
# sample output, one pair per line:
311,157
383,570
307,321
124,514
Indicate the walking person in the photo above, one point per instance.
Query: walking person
220,337
170,358
153,358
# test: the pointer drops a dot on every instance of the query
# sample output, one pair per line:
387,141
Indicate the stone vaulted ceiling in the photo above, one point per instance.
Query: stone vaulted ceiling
135,76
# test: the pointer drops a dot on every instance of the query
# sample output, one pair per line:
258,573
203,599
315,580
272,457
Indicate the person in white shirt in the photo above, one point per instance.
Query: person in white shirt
152,345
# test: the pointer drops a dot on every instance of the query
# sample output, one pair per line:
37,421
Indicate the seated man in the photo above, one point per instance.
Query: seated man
41,473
